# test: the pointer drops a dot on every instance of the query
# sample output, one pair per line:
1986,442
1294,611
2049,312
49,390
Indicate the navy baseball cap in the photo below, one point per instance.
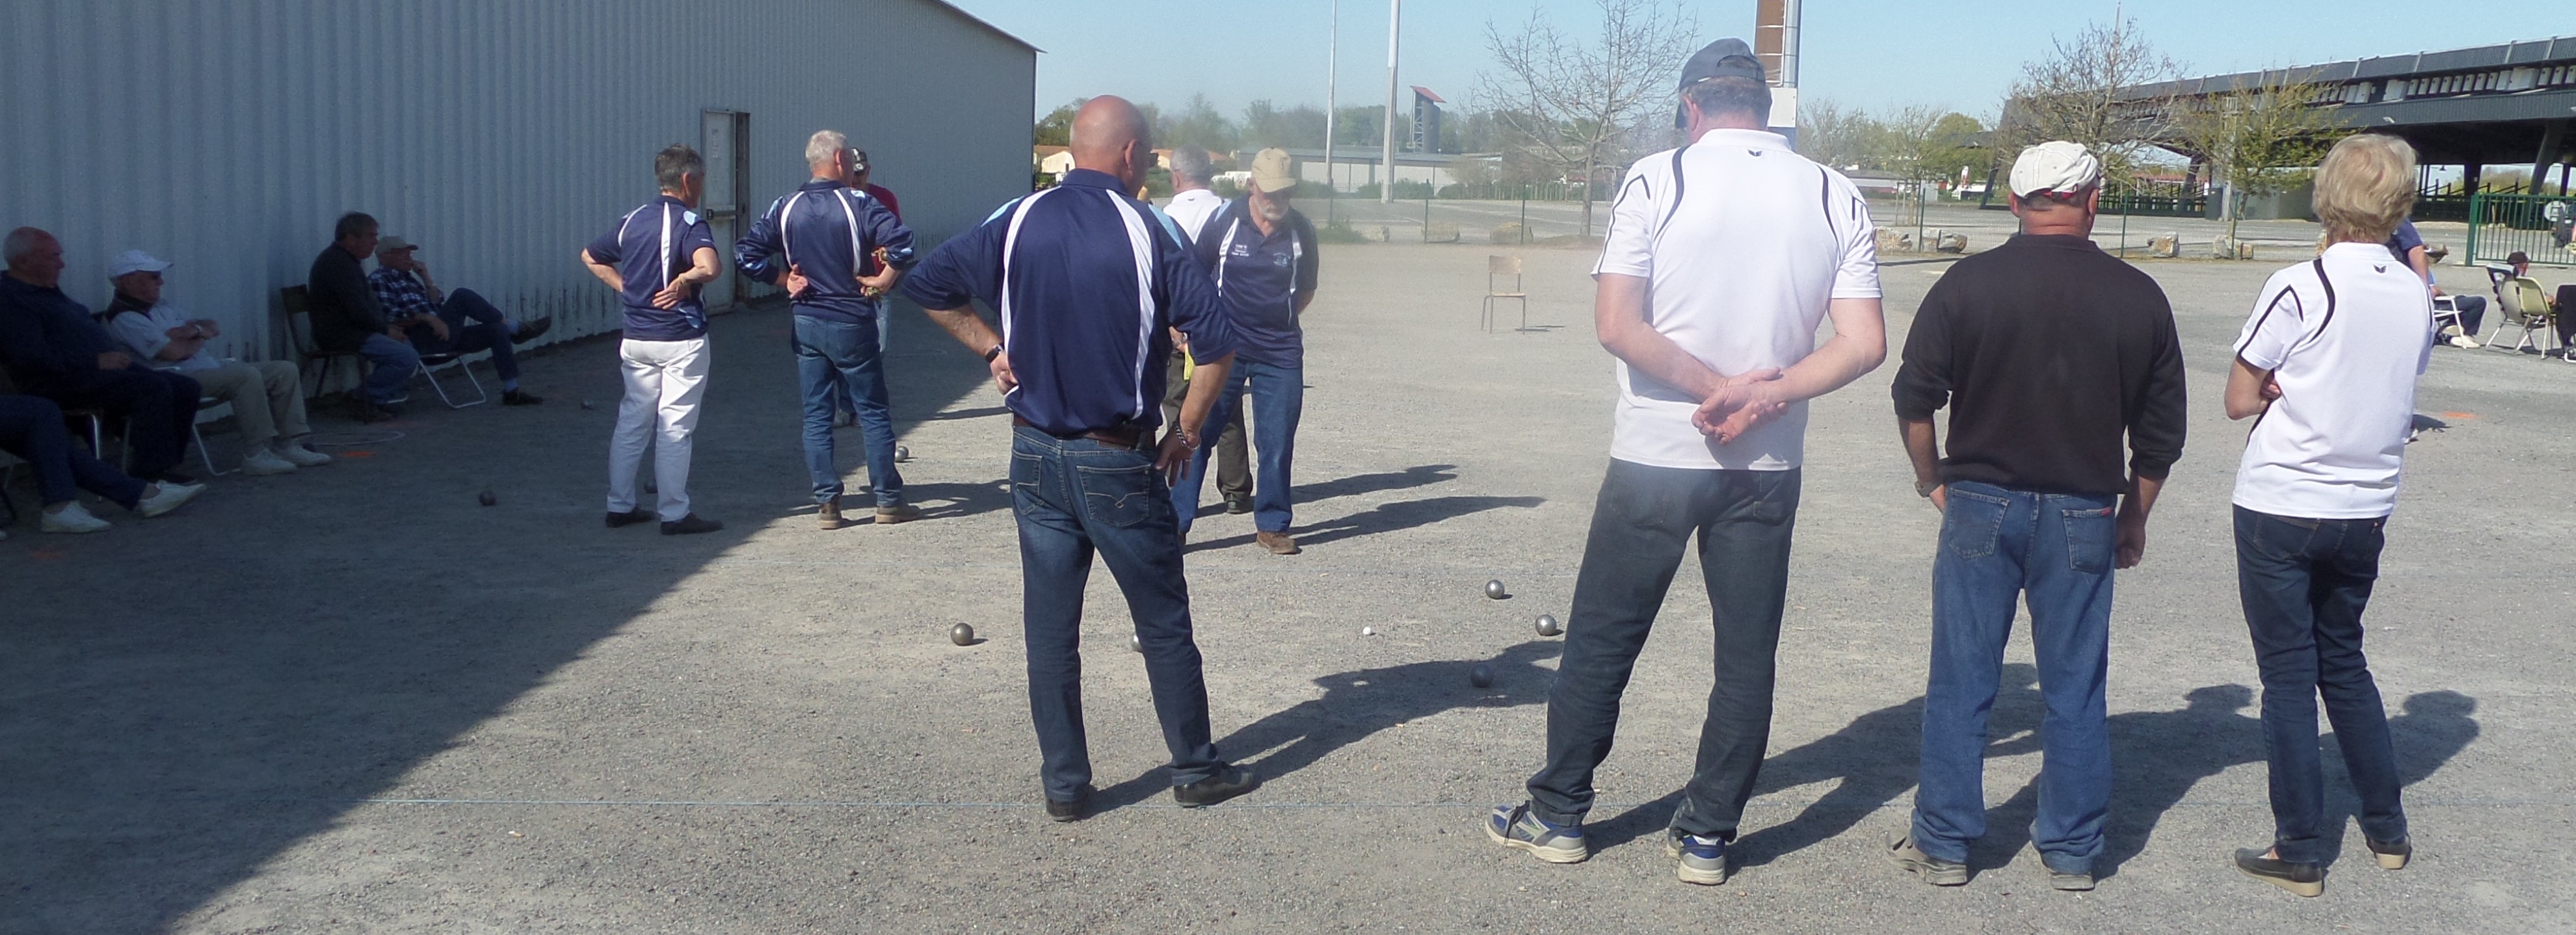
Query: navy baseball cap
1725,58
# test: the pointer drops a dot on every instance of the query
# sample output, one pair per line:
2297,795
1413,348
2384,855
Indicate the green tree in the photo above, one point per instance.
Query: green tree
2261,139
1196,124
1056,128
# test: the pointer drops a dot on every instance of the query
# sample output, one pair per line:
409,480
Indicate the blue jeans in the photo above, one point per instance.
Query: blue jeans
1278,401
841,364
2304,583
31,427
1644,520
158,407
394,362
1073,497
489,331
2055,552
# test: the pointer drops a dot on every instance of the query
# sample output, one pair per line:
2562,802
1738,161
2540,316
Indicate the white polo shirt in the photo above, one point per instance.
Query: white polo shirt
1192,209
1745,243
2344,336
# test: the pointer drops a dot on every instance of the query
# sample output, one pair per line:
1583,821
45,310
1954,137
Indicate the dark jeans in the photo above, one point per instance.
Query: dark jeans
32,428
158,408
841,364
2473,312
2001,547
1644,519
1233,464
2304,583
1278,401
489,331
1076,496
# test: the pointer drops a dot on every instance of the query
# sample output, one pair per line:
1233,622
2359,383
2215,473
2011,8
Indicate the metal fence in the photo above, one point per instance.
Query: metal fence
2538,226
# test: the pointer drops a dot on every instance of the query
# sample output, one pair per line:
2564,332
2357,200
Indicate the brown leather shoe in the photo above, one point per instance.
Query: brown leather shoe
1277,542
898,513
829,516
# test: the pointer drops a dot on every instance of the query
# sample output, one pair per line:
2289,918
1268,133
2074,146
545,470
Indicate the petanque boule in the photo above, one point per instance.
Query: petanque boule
902,454
962,635
1547,625
1135,642
486,498
1481,676
1494,589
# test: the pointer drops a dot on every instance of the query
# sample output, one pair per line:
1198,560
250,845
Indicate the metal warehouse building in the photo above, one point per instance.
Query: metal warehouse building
501,135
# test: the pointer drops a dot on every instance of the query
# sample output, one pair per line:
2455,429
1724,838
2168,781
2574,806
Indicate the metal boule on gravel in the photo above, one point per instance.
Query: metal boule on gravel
962,635
1494,589
902,453
1547,625
486,498
1135,642
1481,676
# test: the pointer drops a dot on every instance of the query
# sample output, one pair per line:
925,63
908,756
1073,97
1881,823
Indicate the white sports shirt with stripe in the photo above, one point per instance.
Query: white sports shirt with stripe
1745,243
2345,335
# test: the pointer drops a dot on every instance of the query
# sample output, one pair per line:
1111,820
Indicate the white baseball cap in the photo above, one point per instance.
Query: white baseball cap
135,261
2056,166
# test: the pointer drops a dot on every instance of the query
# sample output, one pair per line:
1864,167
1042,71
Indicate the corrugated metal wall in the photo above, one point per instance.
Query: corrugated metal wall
501,135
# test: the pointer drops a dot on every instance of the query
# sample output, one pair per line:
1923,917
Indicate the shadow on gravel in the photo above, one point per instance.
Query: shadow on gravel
1358,704
1422,475
1384,518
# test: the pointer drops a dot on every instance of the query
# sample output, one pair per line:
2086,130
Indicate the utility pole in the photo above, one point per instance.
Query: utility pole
1332,71
1394,29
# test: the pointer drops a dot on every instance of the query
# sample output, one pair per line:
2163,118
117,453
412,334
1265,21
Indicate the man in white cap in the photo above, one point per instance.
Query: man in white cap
2047,352
267,396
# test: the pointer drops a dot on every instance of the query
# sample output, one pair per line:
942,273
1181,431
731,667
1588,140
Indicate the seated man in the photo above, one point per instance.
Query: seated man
32,428
437,324
267,396
2408,247
54,349
347,318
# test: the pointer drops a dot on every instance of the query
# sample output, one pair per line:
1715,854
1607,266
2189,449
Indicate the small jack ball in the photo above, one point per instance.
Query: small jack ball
1481,676
1547,625
1135,642
1494,589
486,498
962,635
1368,631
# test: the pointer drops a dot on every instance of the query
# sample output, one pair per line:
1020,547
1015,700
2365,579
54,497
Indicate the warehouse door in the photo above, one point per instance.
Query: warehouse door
723,141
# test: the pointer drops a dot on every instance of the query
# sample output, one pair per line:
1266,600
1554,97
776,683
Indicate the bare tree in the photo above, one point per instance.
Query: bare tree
1572,105
2260,138
2107,89
1831,135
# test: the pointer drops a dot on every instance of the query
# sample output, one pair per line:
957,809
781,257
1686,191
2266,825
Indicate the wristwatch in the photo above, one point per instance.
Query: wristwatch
1924,488
995,352
1189,439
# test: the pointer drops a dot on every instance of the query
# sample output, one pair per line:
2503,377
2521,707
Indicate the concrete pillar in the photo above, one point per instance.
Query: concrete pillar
2553,138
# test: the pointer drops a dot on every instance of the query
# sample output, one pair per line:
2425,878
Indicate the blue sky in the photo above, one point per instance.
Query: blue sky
1869,53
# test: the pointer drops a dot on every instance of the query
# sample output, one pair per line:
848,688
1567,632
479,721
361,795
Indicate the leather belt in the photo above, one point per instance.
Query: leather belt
1123,437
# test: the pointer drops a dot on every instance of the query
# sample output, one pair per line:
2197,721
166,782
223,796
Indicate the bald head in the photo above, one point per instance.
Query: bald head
1110,135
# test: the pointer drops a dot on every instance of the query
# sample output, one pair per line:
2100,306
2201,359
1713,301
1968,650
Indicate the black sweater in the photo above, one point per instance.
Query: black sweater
343,307
2047,350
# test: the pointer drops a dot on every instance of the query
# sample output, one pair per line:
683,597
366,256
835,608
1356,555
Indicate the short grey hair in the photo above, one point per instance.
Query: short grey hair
674,164
21,242
1733,94
825,146
1191,162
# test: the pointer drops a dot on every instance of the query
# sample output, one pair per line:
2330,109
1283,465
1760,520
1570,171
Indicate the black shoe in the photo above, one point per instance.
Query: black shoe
2301,878
529,330
2392,854
1229,781
692,523
520,398
1238,507
630,517
1075,810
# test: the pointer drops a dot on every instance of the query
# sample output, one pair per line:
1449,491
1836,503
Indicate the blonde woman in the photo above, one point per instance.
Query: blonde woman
2327,367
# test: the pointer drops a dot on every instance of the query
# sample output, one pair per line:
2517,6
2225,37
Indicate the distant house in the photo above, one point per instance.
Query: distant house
1055,161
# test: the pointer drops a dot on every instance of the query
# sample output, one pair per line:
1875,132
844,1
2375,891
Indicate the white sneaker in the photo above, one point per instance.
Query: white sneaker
72,517
162,498
301,456
2462,340
263,462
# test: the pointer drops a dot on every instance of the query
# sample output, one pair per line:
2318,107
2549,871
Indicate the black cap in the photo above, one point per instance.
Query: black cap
1725,58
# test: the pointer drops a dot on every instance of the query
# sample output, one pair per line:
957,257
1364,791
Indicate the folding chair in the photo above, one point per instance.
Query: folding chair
2527,306
1496,266
209,409
315,361
2446,314
431,364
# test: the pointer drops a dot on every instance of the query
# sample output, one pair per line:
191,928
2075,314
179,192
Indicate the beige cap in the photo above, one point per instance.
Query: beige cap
1273,172
2055,166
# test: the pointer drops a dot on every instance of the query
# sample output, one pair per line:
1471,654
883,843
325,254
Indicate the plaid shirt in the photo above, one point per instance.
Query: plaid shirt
401,293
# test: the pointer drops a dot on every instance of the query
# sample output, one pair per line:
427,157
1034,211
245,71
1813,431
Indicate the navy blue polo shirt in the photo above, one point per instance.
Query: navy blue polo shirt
1088,284
832,232
651,246
2404,240
1261,278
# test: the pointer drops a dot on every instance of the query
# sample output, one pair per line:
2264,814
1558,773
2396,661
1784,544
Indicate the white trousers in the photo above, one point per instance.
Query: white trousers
664,380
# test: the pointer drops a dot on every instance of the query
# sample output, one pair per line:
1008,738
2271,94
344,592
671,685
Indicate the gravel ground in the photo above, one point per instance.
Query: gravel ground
352,699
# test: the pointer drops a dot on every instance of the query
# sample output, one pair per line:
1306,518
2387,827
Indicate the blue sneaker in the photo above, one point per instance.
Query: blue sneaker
1703,860
1513,826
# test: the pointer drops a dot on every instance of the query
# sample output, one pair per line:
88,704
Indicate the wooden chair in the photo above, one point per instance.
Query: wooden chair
1495,268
